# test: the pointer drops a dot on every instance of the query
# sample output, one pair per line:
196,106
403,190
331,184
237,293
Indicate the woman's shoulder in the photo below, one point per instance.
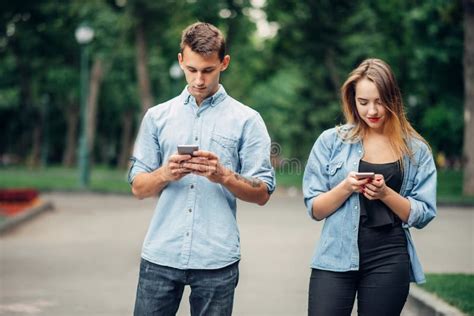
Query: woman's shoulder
339,131
327,136
345,132
334,136
418,145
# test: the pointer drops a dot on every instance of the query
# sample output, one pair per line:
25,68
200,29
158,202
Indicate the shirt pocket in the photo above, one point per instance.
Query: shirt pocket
333,167
335,172
225,148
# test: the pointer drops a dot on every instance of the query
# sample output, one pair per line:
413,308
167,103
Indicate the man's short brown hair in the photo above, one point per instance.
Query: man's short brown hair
204,38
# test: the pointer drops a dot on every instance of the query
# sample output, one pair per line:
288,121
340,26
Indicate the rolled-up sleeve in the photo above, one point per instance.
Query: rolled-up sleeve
315,178
146,153
254,153
422,196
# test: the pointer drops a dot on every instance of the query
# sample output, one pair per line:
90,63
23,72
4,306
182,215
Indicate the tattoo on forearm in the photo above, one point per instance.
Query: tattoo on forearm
255,183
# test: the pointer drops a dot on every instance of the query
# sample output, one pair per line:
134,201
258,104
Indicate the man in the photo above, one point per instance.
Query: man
193,238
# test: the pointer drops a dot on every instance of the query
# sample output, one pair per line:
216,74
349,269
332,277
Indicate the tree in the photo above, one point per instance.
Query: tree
468,185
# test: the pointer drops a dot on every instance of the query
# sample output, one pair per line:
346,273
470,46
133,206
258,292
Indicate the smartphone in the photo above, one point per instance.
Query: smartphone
187,149
363,175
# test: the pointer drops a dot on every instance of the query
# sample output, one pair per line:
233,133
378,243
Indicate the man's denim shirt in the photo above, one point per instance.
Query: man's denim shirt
194,225
330,161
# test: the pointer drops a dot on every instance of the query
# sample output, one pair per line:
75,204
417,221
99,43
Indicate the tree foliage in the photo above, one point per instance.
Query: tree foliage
292,78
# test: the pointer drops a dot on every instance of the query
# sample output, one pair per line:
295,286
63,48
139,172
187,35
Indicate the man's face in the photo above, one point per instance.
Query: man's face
202,72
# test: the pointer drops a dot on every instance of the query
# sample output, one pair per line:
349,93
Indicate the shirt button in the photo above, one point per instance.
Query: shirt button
199,115
187,234
356,207
190,210
355,163
195,138
192,186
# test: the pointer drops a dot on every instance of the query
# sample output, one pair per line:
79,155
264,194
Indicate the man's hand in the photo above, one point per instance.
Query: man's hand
148,184
206,164
174,169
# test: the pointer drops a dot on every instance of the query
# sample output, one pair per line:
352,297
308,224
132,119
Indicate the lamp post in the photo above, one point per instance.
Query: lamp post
84,35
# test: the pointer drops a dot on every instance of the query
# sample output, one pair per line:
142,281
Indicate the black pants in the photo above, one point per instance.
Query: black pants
381,284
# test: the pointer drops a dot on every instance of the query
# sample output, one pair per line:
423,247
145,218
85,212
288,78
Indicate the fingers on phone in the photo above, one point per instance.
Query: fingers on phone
205,154
177,158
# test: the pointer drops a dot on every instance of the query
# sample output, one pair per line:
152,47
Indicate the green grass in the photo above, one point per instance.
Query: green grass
112,180
64,179
287,180
450,188
456,289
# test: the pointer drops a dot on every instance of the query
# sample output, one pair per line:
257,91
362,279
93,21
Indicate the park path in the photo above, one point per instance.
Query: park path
82,258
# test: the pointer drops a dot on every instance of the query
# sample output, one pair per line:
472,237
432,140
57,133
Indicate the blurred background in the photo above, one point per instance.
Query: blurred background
76,77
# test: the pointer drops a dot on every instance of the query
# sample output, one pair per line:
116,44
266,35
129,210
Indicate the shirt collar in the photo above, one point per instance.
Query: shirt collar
213,100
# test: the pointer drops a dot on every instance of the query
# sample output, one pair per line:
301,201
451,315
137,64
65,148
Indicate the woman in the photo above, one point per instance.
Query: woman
365,245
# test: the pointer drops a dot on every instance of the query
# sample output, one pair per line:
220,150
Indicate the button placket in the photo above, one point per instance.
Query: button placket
197,128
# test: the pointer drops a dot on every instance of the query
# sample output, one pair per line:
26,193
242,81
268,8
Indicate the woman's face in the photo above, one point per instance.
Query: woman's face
369,105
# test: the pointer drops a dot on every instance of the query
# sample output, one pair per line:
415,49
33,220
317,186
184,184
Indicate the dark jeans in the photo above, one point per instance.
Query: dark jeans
382,282
160,290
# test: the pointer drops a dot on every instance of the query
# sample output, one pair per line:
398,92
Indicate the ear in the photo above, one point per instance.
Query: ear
225,62
180,60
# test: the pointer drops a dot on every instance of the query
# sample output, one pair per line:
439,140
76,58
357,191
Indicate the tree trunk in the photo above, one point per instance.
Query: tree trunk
332,70
25,140
34,158
72,119
97,74
468,185
144,85
233,23
126,139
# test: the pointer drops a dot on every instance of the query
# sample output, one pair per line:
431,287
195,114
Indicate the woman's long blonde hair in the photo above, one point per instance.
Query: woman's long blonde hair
396,126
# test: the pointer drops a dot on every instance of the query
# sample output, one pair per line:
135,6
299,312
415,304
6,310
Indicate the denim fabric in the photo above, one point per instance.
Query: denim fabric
194,225
160,290
330,160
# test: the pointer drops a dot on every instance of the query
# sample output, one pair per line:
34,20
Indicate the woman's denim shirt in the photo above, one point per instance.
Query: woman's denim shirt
330,161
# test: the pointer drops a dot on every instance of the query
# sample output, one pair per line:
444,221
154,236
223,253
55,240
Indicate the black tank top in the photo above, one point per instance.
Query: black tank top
374,213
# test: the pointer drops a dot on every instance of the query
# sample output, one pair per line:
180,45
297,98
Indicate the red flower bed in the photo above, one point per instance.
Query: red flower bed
18,195
13,201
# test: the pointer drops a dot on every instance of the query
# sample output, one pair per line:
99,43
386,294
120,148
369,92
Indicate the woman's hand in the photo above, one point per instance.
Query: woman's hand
375,189
353,184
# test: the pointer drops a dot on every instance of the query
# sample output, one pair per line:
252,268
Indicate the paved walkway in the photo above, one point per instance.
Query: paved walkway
82,258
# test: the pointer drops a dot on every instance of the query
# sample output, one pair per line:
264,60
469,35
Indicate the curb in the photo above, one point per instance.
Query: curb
30,213
424,303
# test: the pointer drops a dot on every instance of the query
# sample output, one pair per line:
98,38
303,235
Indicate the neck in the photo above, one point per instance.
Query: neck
375,132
